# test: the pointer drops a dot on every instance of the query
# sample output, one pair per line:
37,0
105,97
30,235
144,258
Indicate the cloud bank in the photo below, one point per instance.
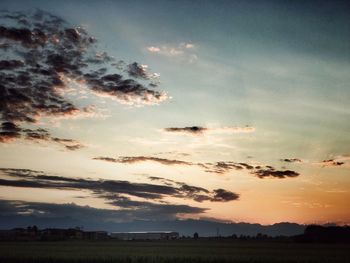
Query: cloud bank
39,51
115,190
75,213
222,167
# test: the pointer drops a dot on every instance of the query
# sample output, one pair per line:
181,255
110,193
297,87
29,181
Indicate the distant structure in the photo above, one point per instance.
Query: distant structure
151,235
53,234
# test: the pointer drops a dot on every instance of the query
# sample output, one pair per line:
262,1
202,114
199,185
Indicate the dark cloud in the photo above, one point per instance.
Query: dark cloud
222,167
127,91
38,134
137,70
247,166
331,162
149,207
198,194
269,171
10,131
259,171
10,64
219,167
221,195
105,188
291,160
189,130
198,130
74,147
216,167
163,180
42,52
137,159
139,211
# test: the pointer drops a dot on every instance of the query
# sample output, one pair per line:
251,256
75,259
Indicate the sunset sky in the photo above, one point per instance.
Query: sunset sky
222,110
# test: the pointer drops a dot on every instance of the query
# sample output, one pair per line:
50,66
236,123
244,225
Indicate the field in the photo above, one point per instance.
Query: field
179,251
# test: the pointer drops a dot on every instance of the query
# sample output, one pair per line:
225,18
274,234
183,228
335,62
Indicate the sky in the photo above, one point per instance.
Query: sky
236,111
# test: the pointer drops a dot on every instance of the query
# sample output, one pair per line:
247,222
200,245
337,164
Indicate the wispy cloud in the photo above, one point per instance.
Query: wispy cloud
137,159
331,162
70,144
9,131
339,160
199,130
183,51
222,167
291,160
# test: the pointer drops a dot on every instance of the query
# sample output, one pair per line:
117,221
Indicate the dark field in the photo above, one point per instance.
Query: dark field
172,251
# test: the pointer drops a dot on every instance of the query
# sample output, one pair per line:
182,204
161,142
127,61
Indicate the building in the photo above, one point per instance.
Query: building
53,234
152,235
23,234
61,234
95,235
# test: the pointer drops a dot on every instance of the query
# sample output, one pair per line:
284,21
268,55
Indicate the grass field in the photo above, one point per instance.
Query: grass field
179,251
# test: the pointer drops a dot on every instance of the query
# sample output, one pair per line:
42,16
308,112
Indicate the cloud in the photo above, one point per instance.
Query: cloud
182,154
193,130
137,159
160,209
153,49
331,162
105,189
245,129
339,160
198,130
70,144
257,170
184,51
291,160
140,71
10,64
76,213
269,171
9,131
37,134
137,70
221,195
40,52
221,167
126,91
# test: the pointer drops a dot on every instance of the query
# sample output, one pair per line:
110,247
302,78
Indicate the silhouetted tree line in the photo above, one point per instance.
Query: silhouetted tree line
312,234
323,234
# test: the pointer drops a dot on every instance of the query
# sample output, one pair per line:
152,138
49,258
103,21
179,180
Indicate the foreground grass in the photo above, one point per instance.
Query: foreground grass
179,251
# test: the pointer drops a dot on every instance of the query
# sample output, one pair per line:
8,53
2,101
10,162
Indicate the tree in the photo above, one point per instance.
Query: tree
195,235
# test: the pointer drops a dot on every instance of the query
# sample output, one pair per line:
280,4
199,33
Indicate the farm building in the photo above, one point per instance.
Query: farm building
33,233
152,235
